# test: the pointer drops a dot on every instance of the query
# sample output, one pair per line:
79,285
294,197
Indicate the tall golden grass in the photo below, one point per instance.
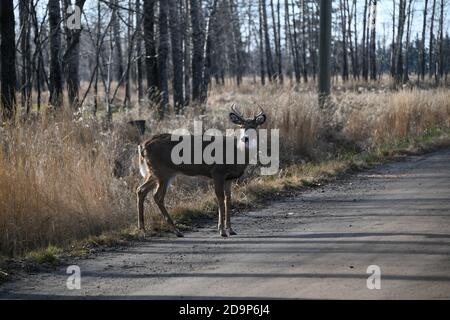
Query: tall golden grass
63,179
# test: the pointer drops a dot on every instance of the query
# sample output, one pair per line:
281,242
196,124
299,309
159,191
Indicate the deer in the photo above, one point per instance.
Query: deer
158,170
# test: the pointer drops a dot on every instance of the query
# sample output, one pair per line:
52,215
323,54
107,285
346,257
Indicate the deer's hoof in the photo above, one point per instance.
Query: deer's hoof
179,234
223,234
231,232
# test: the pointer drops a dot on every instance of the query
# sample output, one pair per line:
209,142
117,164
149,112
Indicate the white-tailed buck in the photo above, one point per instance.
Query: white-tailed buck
158,169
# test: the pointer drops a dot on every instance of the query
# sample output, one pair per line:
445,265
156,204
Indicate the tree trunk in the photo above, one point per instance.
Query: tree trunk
408,41
56,74
373,47
261,45
269,60
163,53
25,48
8,59
280,55
344,40
350,18
139,70
275,39
150,48
441,43
236,38
356,39
197,50
71,60
422,44
127,73
313,42
431,48
292,34
186,53
364,49
399,48
304,14
393,46
325,52
117,40
206,67
177,55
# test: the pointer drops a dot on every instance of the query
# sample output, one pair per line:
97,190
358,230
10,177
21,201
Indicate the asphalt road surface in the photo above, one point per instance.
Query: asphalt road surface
316,245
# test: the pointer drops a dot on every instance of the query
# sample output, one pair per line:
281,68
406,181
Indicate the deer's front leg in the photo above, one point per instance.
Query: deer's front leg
228,228
219,183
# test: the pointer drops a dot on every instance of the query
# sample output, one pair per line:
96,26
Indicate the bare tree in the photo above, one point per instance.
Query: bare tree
422,43
177,55
292,36
399,74
343,13
261,46
8,59
431,47
71,59
440,72
186,51
25,50
373,47
278,74
236,38
304,8
324,52
269,59
408,39
150,47
206,66
117,39
163,52
56,74
139,53
197,50
364,62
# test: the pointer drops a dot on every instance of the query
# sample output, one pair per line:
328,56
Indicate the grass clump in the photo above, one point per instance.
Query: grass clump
49,255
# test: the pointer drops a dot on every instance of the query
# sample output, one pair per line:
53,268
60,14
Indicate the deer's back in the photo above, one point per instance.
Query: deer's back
158,153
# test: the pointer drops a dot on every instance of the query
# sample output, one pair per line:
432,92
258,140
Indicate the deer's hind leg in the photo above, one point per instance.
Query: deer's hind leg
142,191
159,196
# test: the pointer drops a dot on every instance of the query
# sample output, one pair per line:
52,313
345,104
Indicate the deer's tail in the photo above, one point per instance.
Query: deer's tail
143,167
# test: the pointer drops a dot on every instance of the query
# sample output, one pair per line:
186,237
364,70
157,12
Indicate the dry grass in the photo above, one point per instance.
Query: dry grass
57,181
56,184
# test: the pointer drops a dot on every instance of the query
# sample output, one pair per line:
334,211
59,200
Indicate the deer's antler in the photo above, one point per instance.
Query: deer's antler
236,111
261,111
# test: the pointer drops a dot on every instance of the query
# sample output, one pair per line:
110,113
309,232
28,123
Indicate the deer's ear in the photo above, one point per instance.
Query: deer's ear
235,118
260,120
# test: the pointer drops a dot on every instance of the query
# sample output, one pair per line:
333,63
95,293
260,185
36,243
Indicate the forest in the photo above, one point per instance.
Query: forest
77,75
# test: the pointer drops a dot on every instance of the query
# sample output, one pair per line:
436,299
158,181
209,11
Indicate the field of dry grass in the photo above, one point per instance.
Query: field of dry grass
63,180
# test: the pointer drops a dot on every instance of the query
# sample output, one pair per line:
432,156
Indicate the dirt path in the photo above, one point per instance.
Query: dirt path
317,245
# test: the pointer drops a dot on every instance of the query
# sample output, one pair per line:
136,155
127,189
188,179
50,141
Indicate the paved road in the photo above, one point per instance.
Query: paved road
316,245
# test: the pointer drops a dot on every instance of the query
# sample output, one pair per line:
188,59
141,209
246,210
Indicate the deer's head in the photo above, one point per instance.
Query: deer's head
247,124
